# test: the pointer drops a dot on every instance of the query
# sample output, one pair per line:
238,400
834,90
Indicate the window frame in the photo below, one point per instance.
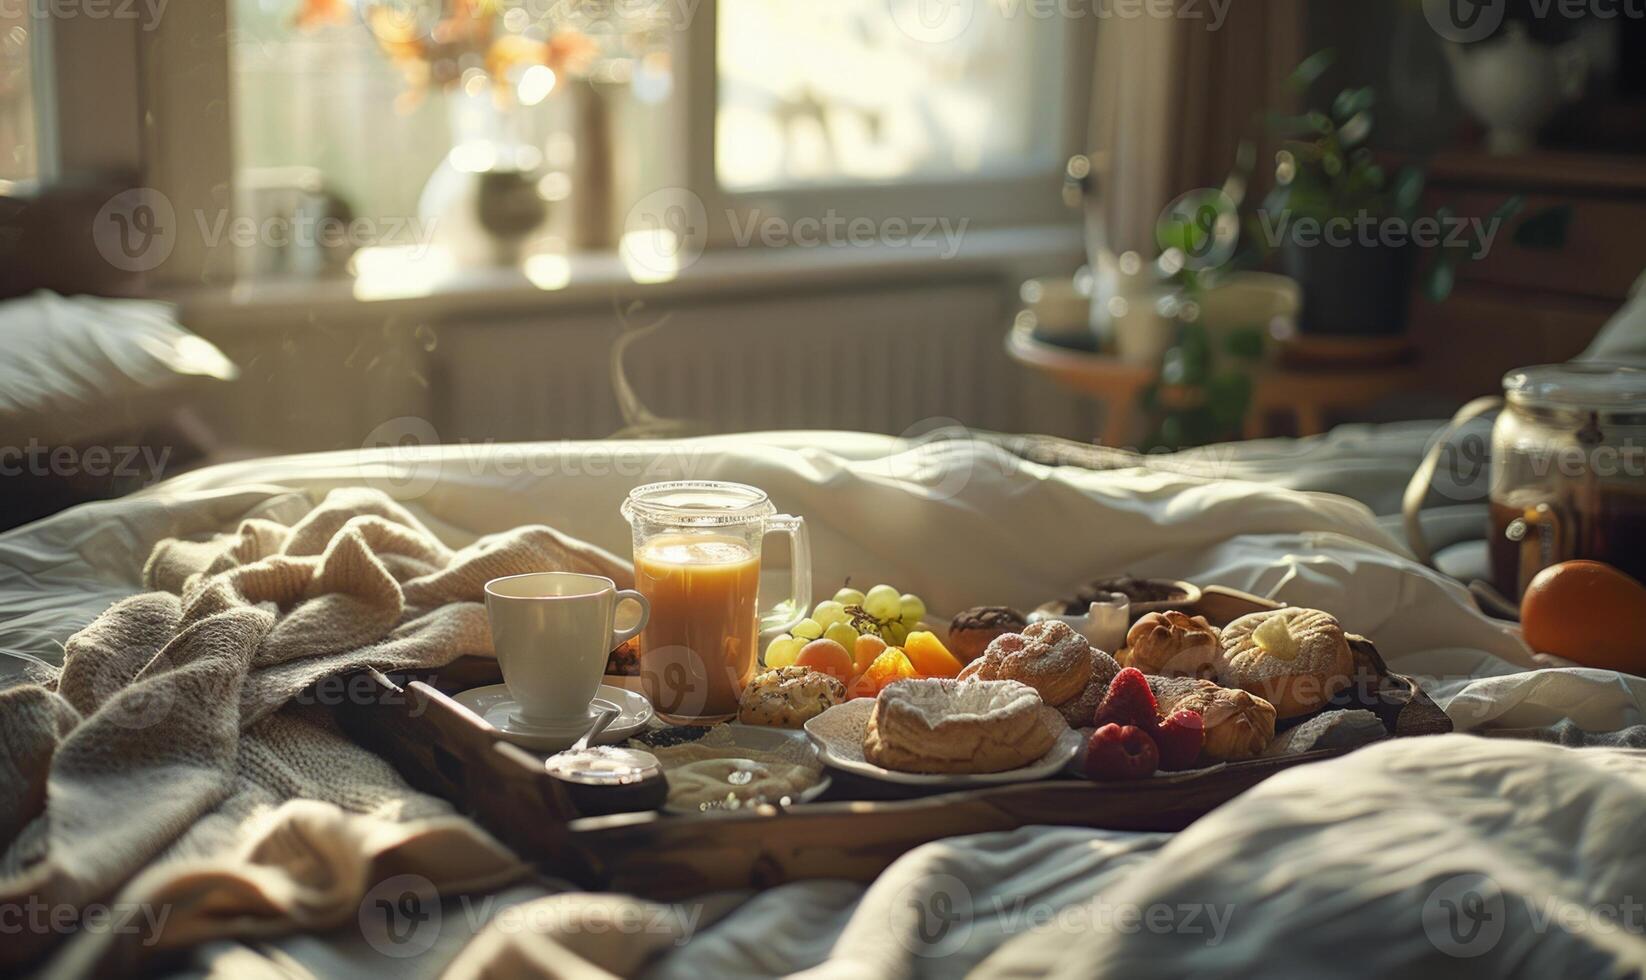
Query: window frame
178,69
1031,196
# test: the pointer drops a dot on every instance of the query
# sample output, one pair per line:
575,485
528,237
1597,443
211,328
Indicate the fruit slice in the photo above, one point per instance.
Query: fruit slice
929,656
867,648
890,666
828,657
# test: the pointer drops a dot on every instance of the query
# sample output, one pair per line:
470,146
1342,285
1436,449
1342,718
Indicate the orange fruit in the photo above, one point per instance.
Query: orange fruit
890,666
1587,612
827,657
929,656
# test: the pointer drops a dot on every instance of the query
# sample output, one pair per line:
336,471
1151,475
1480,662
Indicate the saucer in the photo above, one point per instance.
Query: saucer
496,708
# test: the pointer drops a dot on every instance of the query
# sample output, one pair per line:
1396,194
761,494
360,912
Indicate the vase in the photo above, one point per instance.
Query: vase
1514,85
482,201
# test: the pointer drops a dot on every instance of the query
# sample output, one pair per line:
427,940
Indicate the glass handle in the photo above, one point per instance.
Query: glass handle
800,574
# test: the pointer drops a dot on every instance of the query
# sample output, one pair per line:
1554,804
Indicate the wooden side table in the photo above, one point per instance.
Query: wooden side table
1308,395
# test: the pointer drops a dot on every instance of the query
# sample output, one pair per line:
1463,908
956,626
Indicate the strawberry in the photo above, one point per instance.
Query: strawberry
1179,740
1129,702
1120,752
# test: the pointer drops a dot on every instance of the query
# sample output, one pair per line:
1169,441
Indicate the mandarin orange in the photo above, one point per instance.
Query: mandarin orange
1587,612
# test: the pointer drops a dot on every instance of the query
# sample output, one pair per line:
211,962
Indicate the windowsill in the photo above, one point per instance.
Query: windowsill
433,287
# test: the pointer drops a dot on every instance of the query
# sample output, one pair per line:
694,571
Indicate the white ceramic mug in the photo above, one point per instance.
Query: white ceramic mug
552,632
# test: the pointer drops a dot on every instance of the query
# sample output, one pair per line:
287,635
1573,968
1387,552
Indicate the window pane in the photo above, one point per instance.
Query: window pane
355,108
877,90
19,150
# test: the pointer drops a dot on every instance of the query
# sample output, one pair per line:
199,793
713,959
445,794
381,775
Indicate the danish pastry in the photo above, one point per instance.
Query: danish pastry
788,697
971,632
1296,659
1238,725
1174,644
942,725
1079,710
1048,656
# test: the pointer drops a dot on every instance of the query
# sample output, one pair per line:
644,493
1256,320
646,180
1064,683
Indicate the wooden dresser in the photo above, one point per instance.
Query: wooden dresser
1520,306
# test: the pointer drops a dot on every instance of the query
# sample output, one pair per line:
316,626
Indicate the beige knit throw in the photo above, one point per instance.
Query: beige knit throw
164,790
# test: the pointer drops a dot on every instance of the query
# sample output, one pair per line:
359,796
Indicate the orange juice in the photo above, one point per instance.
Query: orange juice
697,652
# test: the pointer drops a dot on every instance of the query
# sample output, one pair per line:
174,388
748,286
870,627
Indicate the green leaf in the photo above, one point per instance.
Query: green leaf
1353,101
1310,70
1356,130
1408,189
1442,276
1545,229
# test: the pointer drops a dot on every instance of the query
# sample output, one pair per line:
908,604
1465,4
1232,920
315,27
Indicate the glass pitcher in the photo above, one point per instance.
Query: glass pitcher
697,561
1568,471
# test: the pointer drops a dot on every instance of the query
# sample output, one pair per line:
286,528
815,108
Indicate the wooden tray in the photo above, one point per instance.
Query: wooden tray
857,829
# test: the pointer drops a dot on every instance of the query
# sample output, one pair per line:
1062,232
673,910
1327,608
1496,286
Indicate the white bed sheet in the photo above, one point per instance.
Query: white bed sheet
962,523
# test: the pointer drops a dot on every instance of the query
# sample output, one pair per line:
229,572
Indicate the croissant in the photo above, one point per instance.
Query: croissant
1238,725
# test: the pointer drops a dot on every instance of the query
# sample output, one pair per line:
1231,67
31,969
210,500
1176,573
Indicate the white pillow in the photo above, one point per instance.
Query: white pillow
77,366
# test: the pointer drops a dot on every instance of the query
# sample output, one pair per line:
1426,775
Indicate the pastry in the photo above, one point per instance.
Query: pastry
1048,656
940,725
788,697
1078,710
1294,658
971,632
624,660
1174,644
1238,724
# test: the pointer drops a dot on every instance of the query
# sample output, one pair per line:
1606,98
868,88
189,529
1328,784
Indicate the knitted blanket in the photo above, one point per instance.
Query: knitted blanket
164,789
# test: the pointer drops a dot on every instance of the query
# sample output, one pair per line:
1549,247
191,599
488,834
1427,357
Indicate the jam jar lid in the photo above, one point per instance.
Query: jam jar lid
604,765
1596,386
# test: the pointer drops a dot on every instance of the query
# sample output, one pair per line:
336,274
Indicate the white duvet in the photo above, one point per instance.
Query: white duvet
1403,855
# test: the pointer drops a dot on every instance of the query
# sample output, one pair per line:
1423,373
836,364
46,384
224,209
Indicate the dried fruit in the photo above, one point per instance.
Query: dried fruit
929,656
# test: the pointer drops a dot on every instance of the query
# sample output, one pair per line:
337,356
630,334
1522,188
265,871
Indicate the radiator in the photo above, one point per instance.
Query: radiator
884,361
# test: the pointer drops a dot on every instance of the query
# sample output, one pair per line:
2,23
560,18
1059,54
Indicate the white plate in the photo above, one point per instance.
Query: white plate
494,706
838,735
769,739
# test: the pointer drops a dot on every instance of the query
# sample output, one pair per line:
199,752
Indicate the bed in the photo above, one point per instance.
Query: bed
1503,855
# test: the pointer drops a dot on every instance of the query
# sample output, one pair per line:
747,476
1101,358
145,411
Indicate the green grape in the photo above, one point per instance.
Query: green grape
843,635
829,613
808,629
895,634
782,651
913,610
883,603
849,597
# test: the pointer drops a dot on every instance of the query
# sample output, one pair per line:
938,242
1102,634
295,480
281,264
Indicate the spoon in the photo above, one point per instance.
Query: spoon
605,714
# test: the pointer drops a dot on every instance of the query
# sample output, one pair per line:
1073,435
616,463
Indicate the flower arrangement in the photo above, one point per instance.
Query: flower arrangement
521,51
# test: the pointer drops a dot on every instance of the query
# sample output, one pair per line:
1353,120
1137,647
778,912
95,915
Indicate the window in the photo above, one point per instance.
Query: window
377,115
19,143
882,90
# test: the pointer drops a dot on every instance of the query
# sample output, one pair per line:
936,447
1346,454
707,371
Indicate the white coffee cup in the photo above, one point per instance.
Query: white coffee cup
552,632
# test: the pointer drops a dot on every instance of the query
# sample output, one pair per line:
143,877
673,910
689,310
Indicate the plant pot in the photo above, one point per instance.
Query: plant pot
1354,290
